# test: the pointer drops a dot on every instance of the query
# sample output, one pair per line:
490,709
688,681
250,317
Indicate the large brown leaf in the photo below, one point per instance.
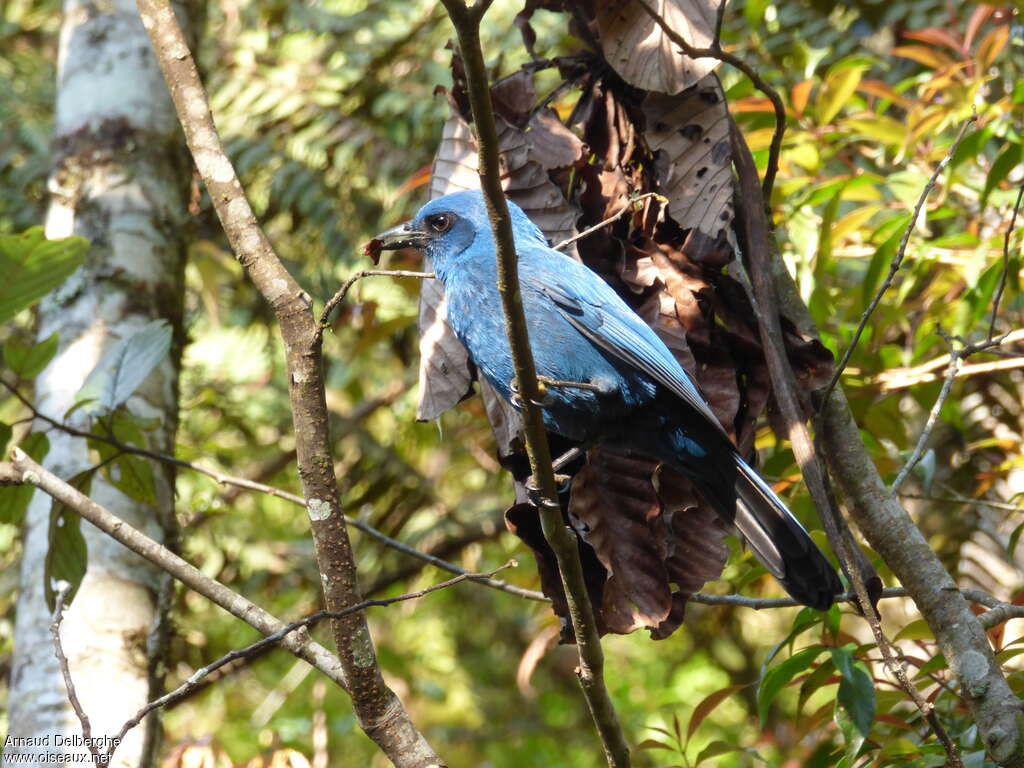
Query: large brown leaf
689,135
640,52
613,508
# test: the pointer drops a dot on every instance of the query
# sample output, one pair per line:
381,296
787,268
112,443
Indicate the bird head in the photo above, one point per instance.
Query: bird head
449,226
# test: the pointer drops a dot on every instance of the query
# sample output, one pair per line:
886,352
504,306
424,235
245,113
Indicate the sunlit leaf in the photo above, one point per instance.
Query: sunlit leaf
778,677
33,266
28,360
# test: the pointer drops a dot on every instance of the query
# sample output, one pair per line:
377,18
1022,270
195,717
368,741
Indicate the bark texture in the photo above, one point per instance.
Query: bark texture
120,179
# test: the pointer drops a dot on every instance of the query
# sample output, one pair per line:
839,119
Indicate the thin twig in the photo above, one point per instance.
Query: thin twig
957,499
58,616
187,688
933,417
466,20
1006,263
614,217
339,297
26,471
715,52
894,265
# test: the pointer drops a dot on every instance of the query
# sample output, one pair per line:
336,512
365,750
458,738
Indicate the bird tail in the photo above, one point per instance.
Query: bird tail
781,543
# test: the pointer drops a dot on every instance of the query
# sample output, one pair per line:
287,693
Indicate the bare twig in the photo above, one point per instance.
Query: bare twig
58,616
1006,263
716,52
339,297
379,712
902,378
628,208
933,417
466,20
894,265
855,565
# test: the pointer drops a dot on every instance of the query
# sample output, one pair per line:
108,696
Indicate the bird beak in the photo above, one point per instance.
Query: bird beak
402,236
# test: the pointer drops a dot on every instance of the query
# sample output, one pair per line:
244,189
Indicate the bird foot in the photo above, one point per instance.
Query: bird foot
544,397
536,495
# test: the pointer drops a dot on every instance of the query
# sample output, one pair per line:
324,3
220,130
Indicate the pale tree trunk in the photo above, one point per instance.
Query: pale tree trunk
120,179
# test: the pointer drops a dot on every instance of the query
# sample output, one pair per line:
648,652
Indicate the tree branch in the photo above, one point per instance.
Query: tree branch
893,535
379,712
859,570
466,20
223,478
24,470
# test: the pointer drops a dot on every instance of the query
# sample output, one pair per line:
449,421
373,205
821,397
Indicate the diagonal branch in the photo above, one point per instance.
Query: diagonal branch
466,20
379,712
22,469
223,478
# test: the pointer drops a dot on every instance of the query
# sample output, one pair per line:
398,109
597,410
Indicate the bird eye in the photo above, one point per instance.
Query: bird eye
440,222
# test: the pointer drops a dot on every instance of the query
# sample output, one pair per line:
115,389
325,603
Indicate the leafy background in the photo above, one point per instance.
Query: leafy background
330,114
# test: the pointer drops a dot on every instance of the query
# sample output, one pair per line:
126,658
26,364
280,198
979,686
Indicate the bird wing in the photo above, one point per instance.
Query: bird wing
604,319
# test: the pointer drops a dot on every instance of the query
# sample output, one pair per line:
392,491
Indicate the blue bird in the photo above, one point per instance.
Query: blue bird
639,397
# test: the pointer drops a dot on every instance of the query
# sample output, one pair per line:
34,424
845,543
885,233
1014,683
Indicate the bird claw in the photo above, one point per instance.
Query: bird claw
516,399
536,495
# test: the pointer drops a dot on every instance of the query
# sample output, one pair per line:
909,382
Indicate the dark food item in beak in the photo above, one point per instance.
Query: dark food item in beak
396,238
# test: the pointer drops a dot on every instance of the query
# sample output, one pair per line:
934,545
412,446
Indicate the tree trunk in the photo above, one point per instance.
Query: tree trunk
120,179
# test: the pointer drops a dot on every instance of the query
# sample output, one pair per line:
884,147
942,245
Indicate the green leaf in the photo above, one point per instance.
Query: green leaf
1011,545
856,691
880,262
804,620
814,681
777,678
717,749
839,85
125,365
67,556
653,744
6,433
1006,161
33,266
28,361
129,473
915,630
14,499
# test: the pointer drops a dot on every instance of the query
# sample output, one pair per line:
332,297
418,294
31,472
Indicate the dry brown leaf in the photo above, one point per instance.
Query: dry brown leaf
444,373
641,53
689,135
613,508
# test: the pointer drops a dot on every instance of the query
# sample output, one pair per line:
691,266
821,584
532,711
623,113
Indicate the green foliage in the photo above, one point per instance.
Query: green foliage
33,266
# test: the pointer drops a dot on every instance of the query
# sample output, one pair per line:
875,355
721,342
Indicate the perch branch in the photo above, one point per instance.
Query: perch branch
466,20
